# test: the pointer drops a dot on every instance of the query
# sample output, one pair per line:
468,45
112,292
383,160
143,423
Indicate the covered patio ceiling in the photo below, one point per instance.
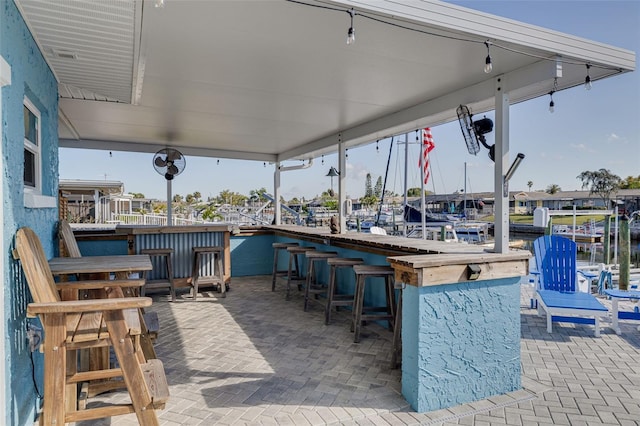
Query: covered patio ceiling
275,80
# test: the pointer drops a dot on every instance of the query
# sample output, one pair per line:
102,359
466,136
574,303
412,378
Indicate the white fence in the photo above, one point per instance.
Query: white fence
149,219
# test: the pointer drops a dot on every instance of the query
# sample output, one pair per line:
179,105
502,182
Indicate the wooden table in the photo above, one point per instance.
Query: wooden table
121,266
118,264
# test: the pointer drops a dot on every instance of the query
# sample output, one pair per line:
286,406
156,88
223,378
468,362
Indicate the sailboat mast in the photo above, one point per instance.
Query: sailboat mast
464,208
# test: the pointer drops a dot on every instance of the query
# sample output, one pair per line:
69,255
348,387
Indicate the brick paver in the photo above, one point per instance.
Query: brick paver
255,358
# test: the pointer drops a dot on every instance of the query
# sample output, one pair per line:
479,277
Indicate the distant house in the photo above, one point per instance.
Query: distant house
92,201
523,202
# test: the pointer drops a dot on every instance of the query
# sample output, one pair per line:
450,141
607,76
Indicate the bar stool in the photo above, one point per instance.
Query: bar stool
277,247
363,313
312,285
166,255
396,354
334,299
214,265
295,275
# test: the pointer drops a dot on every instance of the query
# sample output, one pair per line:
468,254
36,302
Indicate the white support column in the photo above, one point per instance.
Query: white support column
5,80
342,185
501,189
276,194
97,208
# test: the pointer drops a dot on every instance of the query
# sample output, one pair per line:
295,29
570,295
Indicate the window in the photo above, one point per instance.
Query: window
32,178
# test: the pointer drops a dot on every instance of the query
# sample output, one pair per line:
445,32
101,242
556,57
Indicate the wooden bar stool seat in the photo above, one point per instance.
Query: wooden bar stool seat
312,285
363,313
208,268
296,275
165,255
333,298
277,247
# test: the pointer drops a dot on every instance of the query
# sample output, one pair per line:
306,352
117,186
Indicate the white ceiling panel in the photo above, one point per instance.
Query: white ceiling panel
273,80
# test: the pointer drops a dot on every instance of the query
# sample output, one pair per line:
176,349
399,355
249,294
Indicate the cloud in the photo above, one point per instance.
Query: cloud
582,147
357,171
614,138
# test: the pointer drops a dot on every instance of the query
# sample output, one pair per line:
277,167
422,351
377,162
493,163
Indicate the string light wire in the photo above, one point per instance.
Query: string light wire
457,38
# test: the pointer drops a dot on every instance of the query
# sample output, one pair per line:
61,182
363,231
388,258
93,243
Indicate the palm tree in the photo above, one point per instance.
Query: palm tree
530,184
553,188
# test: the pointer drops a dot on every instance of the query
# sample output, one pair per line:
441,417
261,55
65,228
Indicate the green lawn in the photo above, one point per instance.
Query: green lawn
561,220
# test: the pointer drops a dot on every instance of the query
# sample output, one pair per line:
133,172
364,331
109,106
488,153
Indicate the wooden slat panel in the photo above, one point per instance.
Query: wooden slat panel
54,369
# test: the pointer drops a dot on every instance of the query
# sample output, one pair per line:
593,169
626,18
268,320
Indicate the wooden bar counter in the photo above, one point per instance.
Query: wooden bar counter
460,329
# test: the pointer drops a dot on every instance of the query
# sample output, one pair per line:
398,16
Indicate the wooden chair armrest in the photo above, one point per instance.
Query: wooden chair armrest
99,284
93,305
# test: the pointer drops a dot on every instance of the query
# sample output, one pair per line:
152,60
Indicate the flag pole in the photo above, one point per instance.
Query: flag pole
422,197
406,182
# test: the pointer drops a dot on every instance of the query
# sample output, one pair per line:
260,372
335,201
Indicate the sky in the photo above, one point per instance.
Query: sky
589,130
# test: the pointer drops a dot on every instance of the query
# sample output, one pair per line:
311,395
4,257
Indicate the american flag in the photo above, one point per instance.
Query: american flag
427,145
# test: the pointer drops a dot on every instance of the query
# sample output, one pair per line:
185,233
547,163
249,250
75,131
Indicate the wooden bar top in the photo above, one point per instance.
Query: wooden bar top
153,229
99,264
389,245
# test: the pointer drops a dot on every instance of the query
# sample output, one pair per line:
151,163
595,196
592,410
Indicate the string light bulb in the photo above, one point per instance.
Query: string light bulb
351,33
159,3
552,105
587,79
488,66
377,147
218,162
323,159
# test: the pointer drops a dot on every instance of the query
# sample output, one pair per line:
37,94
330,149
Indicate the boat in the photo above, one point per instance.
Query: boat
434,233
472,232
579,234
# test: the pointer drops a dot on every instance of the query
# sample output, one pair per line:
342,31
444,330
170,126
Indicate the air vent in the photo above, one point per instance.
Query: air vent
65,54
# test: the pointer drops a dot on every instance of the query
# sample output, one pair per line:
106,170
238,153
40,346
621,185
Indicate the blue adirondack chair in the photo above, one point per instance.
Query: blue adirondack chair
556,263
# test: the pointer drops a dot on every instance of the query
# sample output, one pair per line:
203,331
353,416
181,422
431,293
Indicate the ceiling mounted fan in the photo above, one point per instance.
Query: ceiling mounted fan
474,131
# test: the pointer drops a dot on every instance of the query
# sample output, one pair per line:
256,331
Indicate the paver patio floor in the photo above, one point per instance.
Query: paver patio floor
255,358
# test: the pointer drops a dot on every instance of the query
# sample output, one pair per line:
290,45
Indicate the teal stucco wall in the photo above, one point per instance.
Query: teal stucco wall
460,342
31,77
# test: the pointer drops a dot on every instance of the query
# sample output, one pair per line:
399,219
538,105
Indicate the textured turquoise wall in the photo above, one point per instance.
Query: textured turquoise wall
251,255
30,76
460,342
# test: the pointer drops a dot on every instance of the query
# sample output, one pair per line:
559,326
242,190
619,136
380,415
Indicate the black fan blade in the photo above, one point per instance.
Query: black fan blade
173,155
160,162
172,170
468,131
